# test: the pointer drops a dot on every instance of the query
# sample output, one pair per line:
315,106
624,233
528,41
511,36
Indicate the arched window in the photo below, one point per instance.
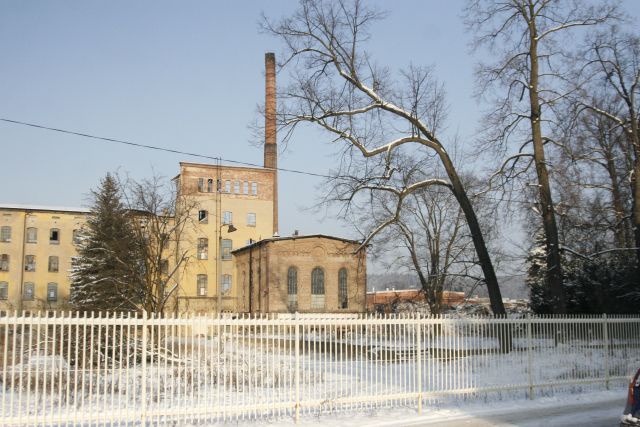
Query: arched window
317,288
292,288
342,288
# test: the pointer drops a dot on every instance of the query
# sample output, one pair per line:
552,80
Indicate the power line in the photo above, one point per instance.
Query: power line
152,147
216,158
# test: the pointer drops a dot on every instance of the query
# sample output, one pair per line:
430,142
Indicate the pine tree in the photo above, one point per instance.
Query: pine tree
103,275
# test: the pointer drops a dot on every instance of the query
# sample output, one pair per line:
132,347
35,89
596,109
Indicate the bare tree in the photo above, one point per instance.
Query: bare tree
615,57
430,237
338,87
159,217
524,36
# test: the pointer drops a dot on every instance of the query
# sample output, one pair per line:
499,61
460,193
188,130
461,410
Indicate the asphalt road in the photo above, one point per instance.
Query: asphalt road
599,414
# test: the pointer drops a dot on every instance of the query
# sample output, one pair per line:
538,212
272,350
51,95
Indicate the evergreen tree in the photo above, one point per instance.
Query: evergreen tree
103,275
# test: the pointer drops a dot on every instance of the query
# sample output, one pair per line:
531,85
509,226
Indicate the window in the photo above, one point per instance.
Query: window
236,187
53,264
245,187
209,185
29,263
202,285
227,186
28,291
203,248
203,217
52,292
54,236
4,290
4,262
292,288
317,288
201,184
342,288
227,218
254,188
76,237
227,246
32,235
164,267
5,233
226,284
251,219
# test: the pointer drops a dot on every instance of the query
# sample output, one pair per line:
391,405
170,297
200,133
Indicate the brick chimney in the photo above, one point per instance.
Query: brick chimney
270,143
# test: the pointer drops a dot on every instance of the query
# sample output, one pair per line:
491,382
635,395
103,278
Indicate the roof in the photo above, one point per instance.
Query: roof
22,207
310,236
213,166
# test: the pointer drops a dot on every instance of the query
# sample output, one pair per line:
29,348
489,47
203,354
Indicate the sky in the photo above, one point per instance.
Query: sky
187,76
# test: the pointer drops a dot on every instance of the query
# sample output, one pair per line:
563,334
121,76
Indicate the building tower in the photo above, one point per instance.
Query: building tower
270,142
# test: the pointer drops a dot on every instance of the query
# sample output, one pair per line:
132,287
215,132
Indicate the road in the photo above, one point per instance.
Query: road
598,414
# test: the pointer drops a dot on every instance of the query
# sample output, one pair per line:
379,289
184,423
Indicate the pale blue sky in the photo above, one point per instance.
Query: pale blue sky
185,75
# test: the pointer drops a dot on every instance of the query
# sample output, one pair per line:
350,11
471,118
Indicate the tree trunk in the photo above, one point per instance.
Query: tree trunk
621,230
495,297
554,266
635,185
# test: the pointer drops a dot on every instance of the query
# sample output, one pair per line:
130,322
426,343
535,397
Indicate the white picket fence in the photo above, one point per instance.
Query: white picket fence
122,369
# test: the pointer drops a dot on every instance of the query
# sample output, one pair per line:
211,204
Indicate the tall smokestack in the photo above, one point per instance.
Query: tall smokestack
270,143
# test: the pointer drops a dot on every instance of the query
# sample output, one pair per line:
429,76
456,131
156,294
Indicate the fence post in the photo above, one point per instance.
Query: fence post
605,337
297,415
529,357
143,410
419,362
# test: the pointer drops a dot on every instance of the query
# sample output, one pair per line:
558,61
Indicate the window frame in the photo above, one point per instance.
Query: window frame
249,222
26,295
227,217
32,235
202,284
292,287
52,286
343,288
5,233
27,264
318,288
51,264
4,291
226,283
5,262
254,188
203,216
202,248
54,231
226,246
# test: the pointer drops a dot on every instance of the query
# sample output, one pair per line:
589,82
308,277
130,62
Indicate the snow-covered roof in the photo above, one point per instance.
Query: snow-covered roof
22,207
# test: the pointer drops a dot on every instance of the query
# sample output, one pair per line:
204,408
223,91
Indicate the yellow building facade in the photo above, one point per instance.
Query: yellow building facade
220,199
36,247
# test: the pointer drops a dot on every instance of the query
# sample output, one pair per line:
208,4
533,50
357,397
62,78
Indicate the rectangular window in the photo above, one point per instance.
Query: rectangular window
28,291
203,248
4,262
5,233
76,237
254,188
54,236
164,267
210,185
251,219
203,217
202,285
201,185
53,264
227,246
29,263
226,284
236,187
227,218
32,235
4,290
245,187
227,186
52,292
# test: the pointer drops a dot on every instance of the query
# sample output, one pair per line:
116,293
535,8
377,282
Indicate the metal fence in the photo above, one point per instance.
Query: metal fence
79,369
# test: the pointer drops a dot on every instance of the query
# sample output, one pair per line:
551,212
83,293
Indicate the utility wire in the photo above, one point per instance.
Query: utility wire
204,156
152,147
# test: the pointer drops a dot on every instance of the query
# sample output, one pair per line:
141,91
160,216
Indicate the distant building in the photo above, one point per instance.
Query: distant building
302,273
230,207
36,246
